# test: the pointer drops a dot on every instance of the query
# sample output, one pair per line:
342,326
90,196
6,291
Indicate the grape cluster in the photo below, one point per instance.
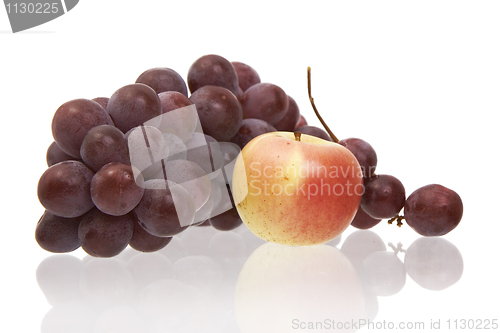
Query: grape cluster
94,197
431,210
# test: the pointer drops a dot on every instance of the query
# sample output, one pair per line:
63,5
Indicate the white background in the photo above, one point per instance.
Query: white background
419,80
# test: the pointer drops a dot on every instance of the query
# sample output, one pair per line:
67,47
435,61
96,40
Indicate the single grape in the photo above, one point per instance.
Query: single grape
228,220
177,118
247,76
249,129
55,155
364,221
104,144
163,79
433,210
113,189
364,153
165,210
103,235
265,101
302,122
57,234
64,189
172,100
291,118
133,105
103,101
384,196
212,70
144,241
219,111
73,120
314,131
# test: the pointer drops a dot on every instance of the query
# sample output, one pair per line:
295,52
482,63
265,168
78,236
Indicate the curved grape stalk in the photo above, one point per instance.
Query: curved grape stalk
172,147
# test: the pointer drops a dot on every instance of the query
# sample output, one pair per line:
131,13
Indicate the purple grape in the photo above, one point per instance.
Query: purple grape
172,100
212,70
157,212
113,189
132,105
384,196
265,101
64,189
73,120
364,153
103,235
219,111
291,118
247,76
251,128
57,234
302,122
104,144
103,101
144,241
314,131
228,220
163,79
433,210
364,221
55,155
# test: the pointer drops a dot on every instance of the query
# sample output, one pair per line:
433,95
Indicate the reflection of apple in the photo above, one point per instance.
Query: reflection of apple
289,288
296,191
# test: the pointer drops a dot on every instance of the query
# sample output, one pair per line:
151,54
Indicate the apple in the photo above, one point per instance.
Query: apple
296,189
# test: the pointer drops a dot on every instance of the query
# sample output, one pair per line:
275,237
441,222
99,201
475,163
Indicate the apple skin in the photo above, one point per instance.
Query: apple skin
296,192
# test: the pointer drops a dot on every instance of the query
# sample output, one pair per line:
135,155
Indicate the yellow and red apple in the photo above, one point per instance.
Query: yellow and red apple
296,190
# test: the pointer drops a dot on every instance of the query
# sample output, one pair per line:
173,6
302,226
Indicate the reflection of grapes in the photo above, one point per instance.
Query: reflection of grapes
433,210
434,263
383,273
228,220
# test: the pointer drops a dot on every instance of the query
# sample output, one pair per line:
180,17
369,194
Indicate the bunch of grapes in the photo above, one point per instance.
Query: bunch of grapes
432,210
95,198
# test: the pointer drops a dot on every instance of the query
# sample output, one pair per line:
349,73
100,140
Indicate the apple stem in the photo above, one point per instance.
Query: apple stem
297,135
397,218
334,138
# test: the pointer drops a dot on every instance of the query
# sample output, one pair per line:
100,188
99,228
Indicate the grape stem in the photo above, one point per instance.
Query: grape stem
397,249
397,218
311,99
